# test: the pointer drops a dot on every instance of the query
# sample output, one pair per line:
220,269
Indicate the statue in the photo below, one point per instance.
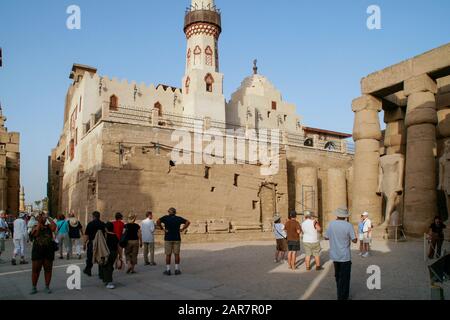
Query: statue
444,174
390,183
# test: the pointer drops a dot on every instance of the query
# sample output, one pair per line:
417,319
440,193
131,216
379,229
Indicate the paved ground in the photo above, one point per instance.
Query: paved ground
238,271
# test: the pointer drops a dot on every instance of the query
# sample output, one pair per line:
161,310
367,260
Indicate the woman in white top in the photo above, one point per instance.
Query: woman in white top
311,240
281,238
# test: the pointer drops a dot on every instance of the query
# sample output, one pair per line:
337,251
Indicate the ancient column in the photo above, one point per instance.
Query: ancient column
306,191
336,193
367,136
420,181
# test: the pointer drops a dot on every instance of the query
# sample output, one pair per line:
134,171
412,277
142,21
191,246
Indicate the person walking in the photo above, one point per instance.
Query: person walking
341,234
293,230
107,268
118,230
62,235
134,241
148,238
89,236
367,232
43,251
20,239
281,240
311,240
436,237
75,233
171,225
3,231
361,236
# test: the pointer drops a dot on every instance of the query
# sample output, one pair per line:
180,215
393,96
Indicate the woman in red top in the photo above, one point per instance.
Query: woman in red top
118,230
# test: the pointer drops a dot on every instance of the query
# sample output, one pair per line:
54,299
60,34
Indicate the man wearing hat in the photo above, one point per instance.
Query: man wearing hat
341,234
20,239
281,239
367,234
171,225
3,230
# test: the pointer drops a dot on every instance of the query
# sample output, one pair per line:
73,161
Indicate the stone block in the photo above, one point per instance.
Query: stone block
444,123
12,148
367,102
421,109
393,115
422,83
443,100
14,137
367,125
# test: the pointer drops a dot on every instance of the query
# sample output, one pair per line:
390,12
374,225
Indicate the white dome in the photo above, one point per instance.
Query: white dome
257,85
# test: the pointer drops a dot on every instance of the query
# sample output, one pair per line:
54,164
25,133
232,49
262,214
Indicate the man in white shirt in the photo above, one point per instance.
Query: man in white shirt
3,230
20,239
367,231
148,238
311,240
341,234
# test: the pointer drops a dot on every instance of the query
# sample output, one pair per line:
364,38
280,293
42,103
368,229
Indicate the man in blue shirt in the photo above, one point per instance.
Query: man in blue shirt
171,224
341,234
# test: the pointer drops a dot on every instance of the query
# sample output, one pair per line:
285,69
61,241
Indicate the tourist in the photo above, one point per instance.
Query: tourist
436,237
171,225
107,268
367,234
62,235
148,238
3,231
361,235
75,233
311,240
20,239
10,221
341,234
89,236
134,241
118,230
281,239
43,251
293,230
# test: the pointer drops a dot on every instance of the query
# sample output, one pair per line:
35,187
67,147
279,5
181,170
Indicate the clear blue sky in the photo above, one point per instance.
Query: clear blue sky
315,52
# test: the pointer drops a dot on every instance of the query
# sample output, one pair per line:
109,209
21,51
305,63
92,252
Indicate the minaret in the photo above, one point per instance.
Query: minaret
202,83
22,200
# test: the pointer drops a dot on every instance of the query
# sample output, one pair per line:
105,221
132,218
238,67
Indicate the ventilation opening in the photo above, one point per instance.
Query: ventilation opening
254,204
213,189
207,172
236,180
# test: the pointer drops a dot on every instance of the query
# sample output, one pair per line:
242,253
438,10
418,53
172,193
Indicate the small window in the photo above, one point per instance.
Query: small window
207,172
209,56
209,81
72,149
274,105
254,204
187,84
114,103
330,146
309,142
285,118
236,180
213,189
159,107
268,114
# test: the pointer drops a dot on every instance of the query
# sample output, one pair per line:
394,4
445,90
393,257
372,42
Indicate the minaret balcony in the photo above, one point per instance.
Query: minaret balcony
210,16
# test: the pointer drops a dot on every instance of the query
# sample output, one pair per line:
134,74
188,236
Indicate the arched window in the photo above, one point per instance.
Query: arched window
159,107
209,56
330,146
187,84
189,57
113,103
197,53
309,142
209,80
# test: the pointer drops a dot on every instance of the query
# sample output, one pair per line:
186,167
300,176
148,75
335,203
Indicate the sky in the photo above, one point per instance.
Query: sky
314,52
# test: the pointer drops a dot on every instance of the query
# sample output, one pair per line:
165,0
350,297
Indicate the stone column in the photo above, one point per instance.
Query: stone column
336,193
443,112
420,181
367,136
306,196
395,135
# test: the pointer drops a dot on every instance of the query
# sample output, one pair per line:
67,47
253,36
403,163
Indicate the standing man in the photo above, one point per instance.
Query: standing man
341,234
367,234
311,240
148,238
171,225
20,239
293,230
3,230
91,231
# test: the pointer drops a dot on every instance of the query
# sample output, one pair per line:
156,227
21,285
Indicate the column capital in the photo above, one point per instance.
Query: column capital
422,83
367,102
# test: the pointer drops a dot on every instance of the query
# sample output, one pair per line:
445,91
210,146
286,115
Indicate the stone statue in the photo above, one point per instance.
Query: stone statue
444,173
390,182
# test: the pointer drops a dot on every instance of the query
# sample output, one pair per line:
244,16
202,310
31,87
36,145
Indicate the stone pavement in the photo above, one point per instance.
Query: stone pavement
237,271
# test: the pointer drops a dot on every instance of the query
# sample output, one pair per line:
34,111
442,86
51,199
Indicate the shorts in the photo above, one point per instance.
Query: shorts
294,246
2,245
172,247
361,237
367,239
282,245
312,249
39,253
